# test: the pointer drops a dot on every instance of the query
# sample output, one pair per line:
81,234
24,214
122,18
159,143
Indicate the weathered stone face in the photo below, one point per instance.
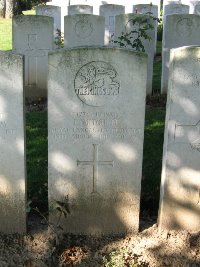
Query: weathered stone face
124,23
95,138
33,37
109,12
180,187
181,30
80,9
51,11
84,30
12,156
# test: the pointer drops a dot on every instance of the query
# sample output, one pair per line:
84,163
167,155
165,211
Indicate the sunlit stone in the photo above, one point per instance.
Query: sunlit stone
180,186
95,149
12,153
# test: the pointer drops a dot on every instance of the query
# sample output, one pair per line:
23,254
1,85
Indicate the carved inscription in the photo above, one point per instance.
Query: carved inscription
194,79
5,131
95,163
188,134
184,27
97,83
99,125
83,28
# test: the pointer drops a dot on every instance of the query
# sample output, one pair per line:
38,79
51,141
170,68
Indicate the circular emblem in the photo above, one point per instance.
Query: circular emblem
97,84
83,28
184,27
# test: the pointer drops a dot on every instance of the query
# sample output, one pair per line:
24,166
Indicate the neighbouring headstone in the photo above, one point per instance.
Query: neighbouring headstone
63,4
174,8
84,30
51,11
147,2
12,145
180,186
80,9
33,37
197,9
95,137
148,9
191,4
181,30
109,12
124,23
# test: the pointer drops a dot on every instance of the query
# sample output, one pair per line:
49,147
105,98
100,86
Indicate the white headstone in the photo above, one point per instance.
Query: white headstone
12,145
109,12
80,9
95,138
63,4
192,4
147,2
124,23
180,187
181,30
148,9
51,11
174,8
197,9
84,30
33,37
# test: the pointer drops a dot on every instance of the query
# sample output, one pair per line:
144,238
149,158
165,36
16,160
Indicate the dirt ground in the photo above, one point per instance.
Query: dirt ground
147,248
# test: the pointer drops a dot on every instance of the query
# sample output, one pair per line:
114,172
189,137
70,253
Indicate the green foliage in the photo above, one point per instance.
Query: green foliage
135,37
123,257
59,39
160,27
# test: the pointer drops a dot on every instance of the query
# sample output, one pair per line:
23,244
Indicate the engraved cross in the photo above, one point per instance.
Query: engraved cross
95,163
188,134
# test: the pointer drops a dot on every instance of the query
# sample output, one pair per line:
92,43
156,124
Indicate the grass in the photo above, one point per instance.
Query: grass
37,147
6,31
5,34
152,158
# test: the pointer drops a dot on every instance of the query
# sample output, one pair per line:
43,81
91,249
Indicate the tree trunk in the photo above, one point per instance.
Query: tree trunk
2,8
9,9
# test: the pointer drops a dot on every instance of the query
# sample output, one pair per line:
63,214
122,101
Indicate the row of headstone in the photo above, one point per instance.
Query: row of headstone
96,140
193,4
33,36
96,4
109,11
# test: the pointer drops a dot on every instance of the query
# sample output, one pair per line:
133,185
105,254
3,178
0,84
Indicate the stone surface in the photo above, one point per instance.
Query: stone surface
197,9
51,11
147,2
192,4
95,139
12,156
84,30
124,23
33,37
63,4
181,30
174,8
80,9
180,186
109,12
